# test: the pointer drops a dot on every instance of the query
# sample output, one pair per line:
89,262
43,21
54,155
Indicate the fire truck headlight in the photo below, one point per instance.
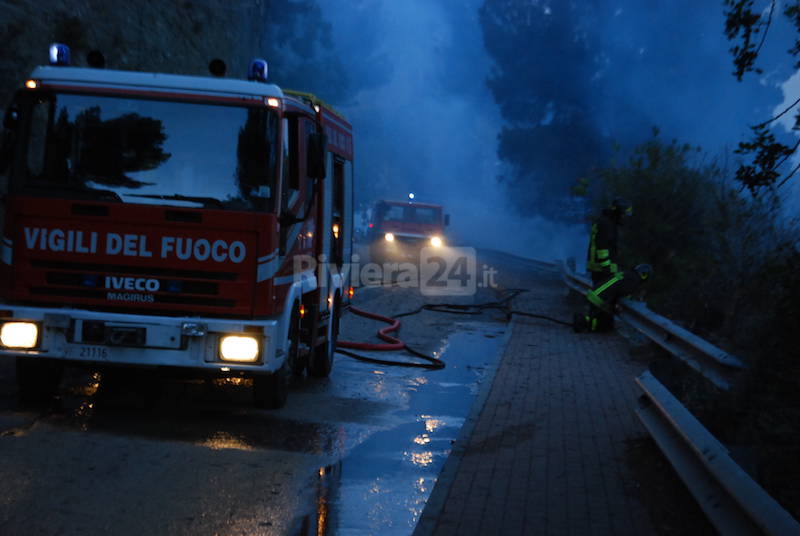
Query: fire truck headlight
436,241
241,348
389,237
19,334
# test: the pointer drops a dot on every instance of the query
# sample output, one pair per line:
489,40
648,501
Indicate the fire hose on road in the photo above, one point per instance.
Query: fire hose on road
394,344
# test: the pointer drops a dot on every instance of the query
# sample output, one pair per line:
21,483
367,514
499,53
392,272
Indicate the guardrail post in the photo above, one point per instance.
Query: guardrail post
714,364
730,498
733,502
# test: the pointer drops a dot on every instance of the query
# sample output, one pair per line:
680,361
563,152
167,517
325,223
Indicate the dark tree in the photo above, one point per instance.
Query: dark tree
748,30
298,43
543,83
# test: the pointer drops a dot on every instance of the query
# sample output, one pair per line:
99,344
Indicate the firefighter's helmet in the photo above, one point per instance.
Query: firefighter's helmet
644,271
622,207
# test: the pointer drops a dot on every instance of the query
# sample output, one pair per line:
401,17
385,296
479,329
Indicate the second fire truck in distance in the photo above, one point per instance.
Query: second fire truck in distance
399,229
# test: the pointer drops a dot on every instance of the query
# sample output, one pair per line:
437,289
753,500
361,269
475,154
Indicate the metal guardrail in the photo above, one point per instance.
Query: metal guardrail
732,501
715,364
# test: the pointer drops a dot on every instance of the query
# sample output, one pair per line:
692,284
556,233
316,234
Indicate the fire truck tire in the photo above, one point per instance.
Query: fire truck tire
37,380
270,391
321,361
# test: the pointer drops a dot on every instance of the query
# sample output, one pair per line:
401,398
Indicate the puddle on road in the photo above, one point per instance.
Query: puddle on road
388,430
383,483
214,429
218,414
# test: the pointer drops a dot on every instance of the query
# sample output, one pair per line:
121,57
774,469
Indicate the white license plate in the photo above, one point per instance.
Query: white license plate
88,352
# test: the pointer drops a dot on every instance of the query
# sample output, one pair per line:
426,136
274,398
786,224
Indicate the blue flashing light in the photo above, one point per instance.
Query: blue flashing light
257,70
59,54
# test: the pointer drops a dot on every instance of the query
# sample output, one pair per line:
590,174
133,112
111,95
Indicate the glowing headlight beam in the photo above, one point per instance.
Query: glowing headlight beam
240,348
19,334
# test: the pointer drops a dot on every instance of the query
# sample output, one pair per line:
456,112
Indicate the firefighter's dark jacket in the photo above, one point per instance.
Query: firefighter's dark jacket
602,255
617,287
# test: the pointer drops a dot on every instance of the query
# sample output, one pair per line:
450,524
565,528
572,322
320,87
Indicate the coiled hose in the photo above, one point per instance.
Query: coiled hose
394,344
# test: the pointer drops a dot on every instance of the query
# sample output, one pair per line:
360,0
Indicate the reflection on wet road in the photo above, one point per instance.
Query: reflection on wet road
357,453
386,480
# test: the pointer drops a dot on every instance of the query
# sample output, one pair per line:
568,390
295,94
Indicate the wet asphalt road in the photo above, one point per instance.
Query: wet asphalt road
357,453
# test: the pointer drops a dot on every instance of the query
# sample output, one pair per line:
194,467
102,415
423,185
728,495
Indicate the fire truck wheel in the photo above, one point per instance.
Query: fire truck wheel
270,391
321,362
37,380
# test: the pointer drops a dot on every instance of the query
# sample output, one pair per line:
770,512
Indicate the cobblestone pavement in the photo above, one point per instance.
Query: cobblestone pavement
544,452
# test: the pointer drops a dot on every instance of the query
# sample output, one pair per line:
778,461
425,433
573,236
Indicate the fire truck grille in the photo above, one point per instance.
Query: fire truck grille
83,280
410,240
170,286
134,270
100,295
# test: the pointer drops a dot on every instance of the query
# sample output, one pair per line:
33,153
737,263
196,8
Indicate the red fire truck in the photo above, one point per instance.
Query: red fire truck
156,220
399,229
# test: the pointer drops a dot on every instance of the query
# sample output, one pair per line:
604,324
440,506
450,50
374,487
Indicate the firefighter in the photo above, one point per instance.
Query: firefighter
602,305
602,255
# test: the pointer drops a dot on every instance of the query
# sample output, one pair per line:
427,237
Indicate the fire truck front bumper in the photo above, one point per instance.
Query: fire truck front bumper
402,248
223,345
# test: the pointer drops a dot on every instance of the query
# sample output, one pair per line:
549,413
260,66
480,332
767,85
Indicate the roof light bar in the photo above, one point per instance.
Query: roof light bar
257,70
59,54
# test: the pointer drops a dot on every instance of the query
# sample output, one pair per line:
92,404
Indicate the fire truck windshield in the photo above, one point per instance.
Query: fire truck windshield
149,152
413,214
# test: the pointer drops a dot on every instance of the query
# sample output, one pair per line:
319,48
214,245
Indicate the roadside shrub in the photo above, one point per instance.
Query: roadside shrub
707,241
726,266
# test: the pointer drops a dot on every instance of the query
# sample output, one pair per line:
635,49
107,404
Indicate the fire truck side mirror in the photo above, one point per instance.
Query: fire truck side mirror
447,219
317,143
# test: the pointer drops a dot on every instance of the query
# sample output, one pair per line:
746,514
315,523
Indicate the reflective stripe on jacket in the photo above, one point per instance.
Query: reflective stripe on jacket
596,296
602,254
